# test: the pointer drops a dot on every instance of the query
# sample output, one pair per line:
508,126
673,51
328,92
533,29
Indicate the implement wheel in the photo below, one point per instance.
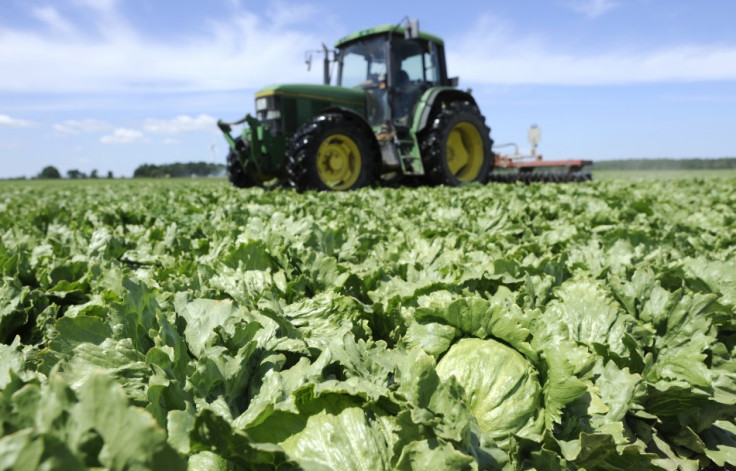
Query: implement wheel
240,177
456,148
332,152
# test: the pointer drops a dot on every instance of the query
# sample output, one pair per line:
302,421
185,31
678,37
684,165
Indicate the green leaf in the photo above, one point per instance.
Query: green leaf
24,450
564,363
348,440
203,316
132,438
434,338
500,317
211,432
137,313
720,441
581,312
432,454
13,316
719,276
116,359
13,363
74,331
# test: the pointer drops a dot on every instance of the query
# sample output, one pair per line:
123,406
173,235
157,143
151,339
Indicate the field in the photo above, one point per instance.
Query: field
174,324
638,175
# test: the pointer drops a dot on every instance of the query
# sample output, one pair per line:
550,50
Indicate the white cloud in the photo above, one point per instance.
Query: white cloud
124,136
105,6
170,141
51,17
284,14
180,125
592,8
247,51
688,63
506,57
73,127
239,52
9,121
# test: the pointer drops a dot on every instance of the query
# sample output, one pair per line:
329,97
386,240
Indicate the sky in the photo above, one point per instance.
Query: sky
109,85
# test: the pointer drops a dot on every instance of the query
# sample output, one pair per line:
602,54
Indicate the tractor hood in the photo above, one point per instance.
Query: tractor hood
321,95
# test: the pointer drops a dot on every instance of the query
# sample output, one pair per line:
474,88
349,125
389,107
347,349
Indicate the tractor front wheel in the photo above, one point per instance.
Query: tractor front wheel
456,148
239,176
332,152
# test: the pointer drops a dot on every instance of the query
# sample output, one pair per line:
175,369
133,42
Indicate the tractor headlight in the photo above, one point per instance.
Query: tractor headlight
261,103
268,112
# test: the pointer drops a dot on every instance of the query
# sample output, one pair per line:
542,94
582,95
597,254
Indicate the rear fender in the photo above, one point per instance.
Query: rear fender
432,100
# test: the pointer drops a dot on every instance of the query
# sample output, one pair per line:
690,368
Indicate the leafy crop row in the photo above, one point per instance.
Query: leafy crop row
165,325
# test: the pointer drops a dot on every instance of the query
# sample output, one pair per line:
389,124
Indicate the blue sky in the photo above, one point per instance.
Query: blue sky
113,84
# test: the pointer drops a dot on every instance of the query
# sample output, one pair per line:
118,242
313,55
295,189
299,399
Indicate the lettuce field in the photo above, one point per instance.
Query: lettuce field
183,324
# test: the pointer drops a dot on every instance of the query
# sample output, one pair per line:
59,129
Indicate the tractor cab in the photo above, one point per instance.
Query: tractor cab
394,66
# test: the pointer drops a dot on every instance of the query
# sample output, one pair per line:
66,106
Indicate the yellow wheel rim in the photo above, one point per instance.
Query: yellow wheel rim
338,162
465,152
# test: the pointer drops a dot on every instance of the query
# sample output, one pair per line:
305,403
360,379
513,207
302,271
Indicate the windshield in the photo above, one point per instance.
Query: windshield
418,59
363,63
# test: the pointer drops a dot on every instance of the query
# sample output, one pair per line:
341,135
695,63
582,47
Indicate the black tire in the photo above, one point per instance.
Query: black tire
235,171
240,177
456,147
333,152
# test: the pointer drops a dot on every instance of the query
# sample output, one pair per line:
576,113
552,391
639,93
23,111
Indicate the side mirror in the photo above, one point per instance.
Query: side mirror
454,81
412,29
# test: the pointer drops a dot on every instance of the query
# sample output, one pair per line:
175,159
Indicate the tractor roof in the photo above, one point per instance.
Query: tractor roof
384,29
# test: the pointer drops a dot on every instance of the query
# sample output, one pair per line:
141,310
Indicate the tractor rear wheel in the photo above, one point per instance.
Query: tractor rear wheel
240,177
456,148
335,152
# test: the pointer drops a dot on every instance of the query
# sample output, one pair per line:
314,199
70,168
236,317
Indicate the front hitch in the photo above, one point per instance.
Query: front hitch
227,127
257,138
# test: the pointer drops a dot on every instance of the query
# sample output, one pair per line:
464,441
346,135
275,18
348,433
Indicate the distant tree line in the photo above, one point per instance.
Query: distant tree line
667,164
52,172
176,170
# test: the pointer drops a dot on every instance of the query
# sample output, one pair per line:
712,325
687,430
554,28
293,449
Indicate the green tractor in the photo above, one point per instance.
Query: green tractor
393,114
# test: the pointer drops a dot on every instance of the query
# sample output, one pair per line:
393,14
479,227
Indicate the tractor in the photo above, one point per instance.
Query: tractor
393,113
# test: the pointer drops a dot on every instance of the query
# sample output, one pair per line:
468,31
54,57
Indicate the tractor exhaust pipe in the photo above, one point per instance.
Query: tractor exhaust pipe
326,64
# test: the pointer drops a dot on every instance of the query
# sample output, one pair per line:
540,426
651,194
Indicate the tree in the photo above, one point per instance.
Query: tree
179,170
93,174
49,172
75,174
109,174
